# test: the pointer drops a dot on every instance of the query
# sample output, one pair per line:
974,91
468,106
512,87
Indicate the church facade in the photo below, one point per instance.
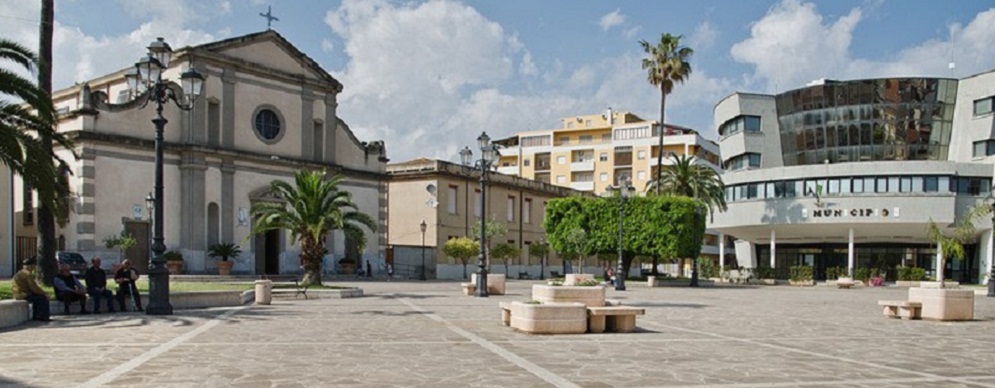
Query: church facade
266,110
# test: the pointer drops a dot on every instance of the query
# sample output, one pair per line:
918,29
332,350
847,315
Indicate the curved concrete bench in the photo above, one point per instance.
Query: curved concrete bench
13,313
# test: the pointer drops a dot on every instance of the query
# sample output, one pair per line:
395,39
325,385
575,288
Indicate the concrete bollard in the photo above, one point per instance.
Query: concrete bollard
264,291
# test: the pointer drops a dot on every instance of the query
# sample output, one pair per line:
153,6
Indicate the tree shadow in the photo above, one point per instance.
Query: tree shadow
8,382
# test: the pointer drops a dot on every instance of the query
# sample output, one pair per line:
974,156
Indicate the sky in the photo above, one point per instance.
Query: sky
428,76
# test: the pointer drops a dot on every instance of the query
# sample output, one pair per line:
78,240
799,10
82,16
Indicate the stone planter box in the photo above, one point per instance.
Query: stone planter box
572,279
802,283
589,296
13,313
175,267
495,283
907,283
549,318
943,304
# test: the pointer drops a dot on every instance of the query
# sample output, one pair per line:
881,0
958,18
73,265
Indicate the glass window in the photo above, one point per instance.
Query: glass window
751,191
893,184
980,148
769,190
561,179
561,160
943,184
834,186
983,106
930,184
603,157
267,124
917,184
905,184
882,185
752,124
869,185
845,186
526,162
858,185
754,160
641,154
603,177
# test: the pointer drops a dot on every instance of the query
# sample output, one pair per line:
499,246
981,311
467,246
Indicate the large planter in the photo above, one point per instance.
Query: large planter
907,283
572,279
593,296
347,268
549,318
175,267
941,303
224,267
802,283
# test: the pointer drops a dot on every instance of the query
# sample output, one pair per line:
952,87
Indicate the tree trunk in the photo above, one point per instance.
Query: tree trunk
656,262
46,220
464,270
311,255
663,127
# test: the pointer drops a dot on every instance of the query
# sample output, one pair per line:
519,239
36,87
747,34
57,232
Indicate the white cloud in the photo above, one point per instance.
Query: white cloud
791,45
704,35
527,67
78,56
327,46
611,19
631,33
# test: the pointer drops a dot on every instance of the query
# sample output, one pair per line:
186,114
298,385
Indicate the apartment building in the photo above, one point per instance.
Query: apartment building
591,152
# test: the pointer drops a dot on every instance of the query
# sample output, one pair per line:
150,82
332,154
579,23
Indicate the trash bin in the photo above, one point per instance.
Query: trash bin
264,291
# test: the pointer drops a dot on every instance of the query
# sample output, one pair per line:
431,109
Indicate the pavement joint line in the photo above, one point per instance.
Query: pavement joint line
120,370
821,383
822,355
536,370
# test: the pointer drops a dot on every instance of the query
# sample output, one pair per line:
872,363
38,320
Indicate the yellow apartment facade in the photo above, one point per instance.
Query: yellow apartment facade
591,152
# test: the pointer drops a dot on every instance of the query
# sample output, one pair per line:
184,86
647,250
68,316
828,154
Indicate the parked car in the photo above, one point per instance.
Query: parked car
75,261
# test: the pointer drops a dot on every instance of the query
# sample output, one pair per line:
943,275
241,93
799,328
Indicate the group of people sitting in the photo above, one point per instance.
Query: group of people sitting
69,289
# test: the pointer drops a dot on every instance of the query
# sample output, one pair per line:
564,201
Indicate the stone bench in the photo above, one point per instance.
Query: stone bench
13,313
547,318
468,288
845,283
901,309
495,283
621,319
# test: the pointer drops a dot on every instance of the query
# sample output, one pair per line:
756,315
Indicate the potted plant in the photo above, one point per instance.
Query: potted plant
174,261
801,275
224,251
122,243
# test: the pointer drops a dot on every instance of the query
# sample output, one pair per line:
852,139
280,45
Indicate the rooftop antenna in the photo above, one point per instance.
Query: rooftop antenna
269,17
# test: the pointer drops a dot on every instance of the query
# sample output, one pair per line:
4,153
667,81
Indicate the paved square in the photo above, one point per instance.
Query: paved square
428,334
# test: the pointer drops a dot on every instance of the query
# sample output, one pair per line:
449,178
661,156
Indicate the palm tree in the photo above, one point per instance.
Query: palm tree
689,179
311,209
667,63
46,216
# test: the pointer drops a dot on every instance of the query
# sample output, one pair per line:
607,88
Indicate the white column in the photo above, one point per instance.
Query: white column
772,246
939,262
722,253
849,254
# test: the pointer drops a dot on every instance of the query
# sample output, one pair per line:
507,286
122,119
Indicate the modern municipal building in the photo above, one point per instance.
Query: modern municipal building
851,173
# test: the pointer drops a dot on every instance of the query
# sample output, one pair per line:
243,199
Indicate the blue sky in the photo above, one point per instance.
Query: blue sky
428,76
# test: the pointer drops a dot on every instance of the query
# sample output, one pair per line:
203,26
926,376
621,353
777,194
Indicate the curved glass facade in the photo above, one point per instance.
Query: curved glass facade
867,120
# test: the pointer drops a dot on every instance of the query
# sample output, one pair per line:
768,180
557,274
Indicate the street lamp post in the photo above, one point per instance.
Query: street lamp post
150,205
542,261
423,227
625,190
488,156
147,84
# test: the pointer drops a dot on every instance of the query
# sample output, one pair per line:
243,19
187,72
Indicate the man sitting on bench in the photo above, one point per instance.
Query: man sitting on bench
68,289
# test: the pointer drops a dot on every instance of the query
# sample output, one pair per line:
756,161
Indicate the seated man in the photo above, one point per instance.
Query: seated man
96,286
68,289
25,288
125,278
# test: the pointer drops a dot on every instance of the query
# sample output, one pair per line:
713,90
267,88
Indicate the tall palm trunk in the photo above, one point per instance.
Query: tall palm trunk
659,161
312,252
46,220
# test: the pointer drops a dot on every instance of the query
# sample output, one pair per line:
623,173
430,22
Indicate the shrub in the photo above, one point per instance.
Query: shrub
764,273
589,283
532,301
801,273
173,256
911,273
861,273
707,268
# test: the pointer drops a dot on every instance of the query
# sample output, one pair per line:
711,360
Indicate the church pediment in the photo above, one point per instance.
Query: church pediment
269,50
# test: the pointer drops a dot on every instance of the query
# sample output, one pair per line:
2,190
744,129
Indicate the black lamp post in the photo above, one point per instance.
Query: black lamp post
147,84
542,261
625,190
150,205
423,227
699,214
488,157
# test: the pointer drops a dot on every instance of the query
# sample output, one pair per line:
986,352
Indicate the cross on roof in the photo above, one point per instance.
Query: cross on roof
269,17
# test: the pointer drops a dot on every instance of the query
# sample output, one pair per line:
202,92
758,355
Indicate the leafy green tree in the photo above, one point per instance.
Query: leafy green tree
122,243
540,250
666,64
966,230
950,245
505,252
492,229
310,209
461,249
661,226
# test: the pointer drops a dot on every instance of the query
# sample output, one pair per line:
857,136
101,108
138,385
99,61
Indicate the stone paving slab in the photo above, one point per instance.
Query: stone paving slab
417,334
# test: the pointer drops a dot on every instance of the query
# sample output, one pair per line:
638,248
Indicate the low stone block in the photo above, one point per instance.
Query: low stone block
495,283
13,313
901,309
549,318
469,288
613,318
593,296
204,299
505,313
943,304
